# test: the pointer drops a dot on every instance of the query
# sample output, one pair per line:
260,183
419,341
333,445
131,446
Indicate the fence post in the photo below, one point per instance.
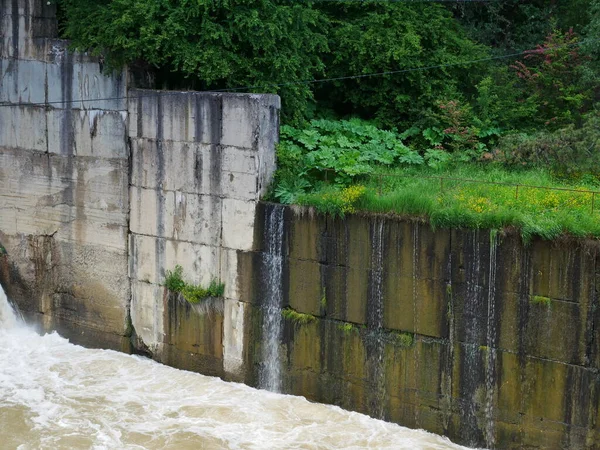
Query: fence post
517,193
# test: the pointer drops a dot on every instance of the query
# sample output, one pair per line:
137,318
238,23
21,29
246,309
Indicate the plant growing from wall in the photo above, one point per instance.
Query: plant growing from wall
348,328
190,292
399,338
296,317
541,300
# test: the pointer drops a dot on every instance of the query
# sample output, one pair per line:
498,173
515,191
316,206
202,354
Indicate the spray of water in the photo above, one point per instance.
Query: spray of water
8,317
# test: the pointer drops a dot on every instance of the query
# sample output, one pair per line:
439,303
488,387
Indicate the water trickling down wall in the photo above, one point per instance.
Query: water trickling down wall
467,333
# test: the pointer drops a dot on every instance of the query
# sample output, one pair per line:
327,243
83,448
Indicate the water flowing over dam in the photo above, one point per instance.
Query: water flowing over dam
270,377
54,395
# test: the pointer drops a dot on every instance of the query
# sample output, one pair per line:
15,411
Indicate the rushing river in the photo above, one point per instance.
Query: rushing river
56,395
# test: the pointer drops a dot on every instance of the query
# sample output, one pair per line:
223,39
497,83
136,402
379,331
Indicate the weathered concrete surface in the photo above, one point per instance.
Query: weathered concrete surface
104,188
63,182
200,162
484,339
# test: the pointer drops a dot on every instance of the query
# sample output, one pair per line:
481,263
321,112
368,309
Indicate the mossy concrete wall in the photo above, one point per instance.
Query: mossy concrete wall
480,337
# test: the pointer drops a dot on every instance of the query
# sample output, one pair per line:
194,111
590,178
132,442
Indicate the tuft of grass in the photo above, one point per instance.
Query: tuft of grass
348,328
296,317
323,301
403,339
173,279
399,338
541,300
190,292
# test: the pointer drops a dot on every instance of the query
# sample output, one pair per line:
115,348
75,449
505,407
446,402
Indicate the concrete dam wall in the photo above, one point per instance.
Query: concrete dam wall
467,333
105,187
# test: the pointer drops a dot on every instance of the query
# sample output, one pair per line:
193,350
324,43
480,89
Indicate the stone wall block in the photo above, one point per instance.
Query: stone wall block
200,263
197,218
73,82
92,133
400,302
238,223
147,311
22,81
13,119
554,330
194,336
237,185
152,212
305,238
240,121
151,257
268,139
305,292
229,275
143,108
233,339
176,215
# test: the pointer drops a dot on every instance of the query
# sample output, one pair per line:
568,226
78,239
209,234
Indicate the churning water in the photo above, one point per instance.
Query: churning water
55,395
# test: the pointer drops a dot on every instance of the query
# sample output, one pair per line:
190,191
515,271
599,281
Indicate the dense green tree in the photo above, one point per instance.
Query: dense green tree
515,25
213,44
376,37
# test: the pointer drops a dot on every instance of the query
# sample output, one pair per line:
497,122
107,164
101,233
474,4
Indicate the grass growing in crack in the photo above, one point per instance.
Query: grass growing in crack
400,339
348,328
190,292
297,318
541,300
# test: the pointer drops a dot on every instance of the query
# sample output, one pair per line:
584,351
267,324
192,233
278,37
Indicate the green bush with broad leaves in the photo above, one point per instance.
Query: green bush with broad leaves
335,152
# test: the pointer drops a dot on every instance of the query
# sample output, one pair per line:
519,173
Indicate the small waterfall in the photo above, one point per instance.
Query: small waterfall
8,317
375,322
415,299
272,302
490,378
474,330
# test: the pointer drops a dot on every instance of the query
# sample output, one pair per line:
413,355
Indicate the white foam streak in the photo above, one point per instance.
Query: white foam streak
56,395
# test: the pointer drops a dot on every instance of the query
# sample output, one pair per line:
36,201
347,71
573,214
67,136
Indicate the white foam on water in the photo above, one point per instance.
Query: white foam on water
56,395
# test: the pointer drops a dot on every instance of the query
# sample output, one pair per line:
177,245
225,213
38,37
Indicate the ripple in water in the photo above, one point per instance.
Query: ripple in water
55,395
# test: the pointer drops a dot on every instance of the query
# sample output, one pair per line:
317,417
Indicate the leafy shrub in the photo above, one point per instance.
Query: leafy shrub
552,75
570,152
173,280
334,152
